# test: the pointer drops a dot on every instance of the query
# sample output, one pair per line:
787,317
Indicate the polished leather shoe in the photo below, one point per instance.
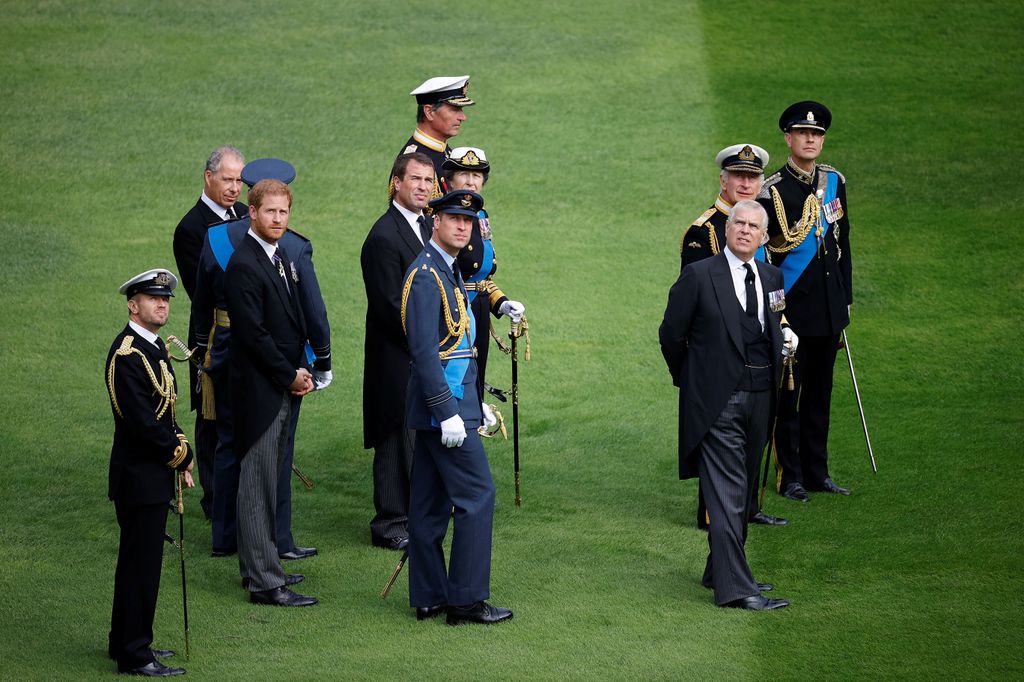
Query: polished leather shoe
428,612
480,612
156,669
289,579
281,596
758,603
162,653
829,486
765,520
395,544
222,552
795,491
298,553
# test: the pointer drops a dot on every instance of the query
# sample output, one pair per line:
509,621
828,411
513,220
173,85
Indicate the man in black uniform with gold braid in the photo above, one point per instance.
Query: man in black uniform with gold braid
439,115
148,450
742,172
809,240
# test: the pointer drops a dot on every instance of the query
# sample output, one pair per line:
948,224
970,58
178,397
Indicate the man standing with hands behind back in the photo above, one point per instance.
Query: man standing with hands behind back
722,338
268,336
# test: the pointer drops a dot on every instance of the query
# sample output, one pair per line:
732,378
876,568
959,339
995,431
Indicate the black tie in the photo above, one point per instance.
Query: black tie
231,213
751,291
424,229
276,258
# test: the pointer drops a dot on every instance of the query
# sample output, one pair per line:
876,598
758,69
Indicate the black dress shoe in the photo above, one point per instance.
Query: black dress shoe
298,553
829,486
757,603
765,520
395,544
480,612
795,491
223,551
281,596
428,612
155,669
289,579
162,653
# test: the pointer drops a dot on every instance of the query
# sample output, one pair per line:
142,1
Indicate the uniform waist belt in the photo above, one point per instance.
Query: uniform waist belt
460,354
221,319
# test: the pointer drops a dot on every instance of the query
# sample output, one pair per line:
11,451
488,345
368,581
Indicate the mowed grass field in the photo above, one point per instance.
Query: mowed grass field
601,121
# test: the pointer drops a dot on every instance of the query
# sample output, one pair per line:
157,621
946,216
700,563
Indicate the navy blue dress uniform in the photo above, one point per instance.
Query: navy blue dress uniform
439,90
211,306
148,449
478,263
706,237
442,384
726,365
188,243
809,240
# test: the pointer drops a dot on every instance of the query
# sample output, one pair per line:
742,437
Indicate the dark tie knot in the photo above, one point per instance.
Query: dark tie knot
750,273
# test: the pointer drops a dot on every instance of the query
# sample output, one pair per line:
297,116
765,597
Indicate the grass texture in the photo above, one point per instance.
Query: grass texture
602,120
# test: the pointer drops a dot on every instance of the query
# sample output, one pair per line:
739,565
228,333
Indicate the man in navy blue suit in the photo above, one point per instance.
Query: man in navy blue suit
450,470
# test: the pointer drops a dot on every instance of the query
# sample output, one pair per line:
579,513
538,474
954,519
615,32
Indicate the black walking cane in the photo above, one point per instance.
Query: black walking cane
513,334
181,553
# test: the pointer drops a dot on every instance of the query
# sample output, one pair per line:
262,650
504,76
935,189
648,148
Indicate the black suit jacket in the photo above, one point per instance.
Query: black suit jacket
188,244
144,443
268,336
702,343
389,249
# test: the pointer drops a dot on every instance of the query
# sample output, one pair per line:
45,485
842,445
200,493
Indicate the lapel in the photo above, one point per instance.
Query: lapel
771,319
275,278
725,292
404,233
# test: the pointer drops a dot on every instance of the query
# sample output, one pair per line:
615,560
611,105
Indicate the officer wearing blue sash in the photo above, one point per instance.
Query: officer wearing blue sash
467,168
809,240
450,473
741,174
210,318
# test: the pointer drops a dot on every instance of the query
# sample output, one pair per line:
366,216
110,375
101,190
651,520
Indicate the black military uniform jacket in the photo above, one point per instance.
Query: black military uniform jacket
148,445
435,149
470,262
706,236
816,303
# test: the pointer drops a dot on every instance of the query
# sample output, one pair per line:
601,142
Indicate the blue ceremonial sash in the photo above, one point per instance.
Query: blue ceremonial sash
760,255
455,370
221,245
310,355
797,260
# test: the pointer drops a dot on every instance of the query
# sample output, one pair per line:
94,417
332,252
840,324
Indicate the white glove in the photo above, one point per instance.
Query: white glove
514,309
322,380
789,342
489,418
453,432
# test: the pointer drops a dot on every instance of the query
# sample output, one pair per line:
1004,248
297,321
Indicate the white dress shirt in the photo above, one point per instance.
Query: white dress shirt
215,207
739,282
412,218
146,334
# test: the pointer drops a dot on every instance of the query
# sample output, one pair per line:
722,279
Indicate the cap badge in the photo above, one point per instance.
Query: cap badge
470,159
162,280
467,201
810,117
747,154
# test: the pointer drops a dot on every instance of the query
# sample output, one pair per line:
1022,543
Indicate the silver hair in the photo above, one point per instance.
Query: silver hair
750,205
218,154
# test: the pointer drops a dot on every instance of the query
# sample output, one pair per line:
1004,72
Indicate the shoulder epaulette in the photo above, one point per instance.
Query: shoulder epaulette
773,179
826,167
298,234
704,217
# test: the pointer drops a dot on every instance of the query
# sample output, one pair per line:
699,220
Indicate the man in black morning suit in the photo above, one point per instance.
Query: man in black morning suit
450,473
392,244
268,367
722,339
148,450
222,184
809,240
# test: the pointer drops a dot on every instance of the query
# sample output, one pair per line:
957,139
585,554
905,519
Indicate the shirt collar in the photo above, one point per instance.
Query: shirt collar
735,262
145,333
428,141
215,207
448,260
411,216
722,205
267,246
799,173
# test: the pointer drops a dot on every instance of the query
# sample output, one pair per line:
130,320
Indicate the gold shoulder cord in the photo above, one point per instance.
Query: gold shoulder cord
713,239
793,237
457,330
164,387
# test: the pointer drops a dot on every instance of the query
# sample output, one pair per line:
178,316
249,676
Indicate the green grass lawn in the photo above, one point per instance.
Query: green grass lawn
601,120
